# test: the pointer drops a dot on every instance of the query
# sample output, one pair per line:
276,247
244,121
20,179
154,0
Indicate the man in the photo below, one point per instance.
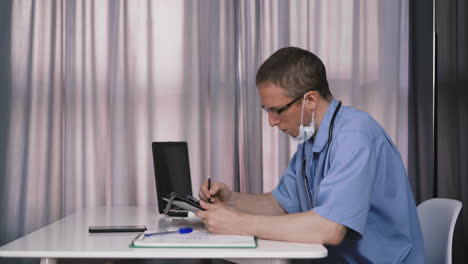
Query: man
345,187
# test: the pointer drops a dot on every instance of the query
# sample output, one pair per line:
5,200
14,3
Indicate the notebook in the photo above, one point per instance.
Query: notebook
196,239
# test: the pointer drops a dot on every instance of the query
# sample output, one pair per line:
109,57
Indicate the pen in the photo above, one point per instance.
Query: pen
209,187
183,230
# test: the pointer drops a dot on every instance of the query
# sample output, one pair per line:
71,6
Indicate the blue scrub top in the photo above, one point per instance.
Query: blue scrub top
358,181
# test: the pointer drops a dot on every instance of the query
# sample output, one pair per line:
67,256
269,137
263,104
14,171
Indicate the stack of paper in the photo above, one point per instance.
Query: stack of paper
198,238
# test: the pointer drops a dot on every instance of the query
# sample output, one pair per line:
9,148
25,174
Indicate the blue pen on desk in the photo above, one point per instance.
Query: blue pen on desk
183,230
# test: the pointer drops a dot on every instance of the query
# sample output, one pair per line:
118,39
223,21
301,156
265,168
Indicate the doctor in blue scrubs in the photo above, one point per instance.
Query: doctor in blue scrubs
346,185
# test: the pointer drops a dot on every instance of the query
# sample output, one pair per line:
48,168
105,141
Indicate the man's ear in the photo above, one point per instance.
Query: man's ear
312,98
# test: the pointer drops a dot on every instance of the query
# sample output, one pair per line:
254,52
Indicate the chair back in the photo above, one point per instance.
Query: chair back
438,217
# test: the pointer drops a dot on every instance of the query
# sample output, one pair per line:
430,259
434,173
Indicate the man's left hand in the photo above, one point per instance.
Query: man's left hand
223,220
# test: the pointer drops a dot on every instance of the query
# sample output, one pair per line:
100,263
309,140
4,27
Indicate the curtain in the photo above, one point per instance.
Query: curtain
88,85
452,114
446,175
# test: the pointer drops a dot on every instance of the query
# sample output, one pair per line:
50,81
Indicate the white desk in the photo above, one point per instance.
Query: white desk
69,238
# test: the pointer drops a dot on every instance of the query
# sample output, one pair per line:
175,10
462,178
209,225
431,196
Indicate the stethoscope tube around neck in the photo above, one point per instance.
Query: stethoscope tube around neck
330,137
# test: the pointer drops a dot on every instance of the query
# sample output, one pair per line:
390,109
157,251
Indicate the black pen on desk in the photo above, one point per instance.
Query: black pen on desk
209,187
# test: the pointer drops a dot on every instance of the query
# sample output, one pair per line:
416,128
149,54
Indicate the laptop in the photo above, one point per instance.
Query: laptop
172,173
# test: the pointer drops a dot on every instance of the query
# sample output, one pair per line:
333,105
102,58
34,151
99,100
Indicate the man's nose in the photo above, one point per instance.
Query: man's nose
273,119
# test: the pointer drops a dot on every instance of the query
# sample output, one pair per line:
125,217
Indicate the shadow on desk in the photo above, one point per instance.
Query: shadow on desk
116,261
144,261
140,261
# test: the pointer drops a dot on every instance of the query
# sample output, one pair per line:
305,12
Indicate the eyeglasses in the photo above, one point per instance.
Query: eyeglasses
278,112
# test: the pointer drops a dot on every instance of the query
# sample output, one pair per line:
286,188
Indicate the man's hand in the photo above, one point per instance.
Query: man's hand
220,219
218,192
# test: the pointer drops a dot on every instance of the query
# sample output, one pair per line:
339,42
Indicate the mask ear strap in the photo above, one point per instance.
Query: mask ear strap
312,122
302,112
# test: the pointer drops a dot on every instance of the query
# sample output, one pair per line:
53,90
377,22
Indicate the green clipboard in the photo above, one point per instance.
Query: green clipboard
197,239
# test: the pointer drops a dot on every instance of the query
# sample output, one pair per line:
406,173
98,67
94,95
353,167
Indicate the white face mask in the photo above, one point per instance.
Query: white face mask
308,131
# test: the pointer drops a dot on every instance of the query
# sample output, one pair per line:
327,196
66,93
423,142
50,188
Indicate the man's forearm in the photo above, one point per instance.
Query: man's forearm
306,227
263,203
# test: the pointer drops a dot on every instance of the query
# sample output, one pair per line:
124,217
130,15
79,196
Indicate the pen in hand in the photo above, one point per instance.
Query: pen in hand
209,187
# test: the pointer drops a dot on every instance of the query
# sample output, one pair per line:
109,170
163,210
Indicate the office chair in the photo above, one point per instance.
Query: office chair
438,217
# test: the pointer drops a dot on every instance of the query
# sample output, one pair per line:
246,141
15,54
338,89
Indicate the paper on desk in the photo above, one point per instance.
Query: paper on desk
198,238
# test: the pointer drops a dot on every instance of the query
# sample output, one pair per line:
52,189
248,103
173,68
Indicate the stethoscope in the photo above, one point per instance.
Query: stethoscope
330,137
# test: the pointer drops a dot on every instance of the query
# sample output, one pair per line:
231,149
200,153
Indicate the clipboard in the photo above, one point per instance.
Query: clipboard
196,239
189,203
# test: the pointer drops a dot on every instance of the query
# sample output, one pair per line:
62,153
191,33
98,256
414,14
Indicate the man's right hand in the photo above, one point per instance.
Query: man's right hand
218,192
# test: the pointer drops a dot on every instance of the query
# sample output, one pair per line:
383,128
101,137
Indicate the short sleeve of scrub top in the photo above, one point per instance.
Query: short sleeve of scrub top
287,189
344,194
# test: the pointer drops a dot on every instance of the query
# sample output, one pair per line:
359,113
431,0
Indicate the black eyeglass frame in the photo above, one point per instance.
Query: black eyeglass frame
284,108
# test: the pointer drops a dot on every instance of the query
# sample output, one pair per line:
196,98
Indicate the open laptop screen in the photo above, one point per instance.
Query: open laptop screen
171,170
